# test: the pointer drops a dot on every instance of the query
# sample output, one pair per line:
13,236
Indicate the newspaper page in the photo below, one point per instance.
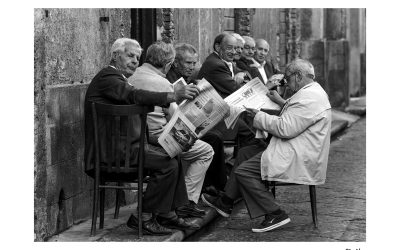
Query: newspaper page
193,119
177,135
252,95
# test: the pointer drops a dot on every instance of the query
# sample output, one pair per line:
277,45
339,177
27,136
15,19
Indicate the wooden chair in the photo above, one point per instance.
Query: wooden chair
313,196
117,168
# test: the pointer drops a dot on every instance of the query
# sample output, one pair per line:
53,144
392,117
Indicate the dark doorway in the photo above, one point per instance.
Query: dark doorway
144,28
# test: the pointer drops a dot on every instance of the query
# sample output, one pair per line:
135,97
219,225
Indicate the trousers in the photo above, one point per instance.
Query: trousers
259,201
197,159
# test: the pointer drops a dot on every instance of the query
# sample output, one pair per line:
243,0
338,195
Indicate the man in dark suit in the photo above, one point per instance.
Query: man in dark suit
218,70
166,188
262,67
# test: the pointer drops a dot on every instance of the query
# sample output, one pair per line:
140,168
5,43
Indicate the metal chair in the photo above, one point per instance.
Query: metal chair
313,196
117,126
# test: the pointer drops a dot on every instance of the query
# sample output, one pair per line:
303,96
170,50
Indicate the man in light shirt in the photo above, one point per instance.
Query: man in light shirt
152,76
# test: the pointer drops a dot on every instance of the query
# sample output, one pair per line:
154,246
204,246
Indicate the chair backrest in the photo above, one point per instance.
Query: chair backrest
119,136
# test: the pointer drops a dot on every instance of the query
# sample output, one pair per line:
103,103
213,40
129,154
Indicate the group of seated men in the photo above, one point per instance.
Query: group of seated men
296,149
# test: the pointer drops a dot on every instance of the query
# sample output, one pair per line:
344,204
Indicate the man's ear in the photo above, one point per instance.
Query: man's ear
175,63
114,56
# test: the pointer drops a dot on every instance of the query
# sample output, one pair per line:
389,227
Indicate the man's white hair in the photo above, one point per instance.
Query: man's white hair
302,66
238,37
248,39
121,43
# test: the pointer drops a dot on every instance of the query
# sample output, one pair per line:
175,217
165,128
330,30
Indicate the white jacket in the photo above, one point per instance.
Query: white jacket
298,151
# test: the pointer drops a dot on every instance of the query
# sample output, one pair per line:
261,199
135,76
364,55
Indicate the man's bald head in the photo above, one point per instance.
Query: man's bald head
262,49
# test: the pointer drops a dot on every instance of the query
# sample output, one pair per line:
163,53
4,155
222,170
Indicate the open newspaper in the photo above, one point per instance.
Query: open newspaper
252,95
193,119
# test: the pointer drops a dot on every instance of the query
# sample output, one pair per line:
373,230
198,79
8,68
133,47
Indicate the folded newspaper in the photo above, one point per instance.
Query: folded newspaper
252,95
193,119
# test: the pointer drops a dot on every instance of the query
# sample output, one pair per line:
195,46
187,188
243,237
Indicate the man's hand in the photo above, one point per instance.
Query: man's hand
275,97
250,114
182,92
239,77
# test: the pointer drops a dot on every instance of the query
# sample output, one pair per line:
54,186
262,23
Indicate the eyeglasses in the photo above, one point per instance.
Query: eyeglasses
286,78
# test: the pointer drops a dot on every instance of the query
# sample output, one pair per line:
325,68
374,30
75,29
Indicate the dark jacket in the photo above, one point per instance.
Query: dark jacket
109,86
217,73
173,76
269,68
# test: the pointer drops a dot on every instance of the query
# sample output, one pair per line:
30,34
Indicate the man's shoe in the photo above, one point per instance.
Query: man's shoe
190,210
177,223
216,203
272,221
150,227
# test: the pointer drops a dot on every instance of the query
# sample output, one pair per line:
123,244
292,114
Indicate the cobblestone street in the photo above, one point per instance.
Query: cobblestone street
341,202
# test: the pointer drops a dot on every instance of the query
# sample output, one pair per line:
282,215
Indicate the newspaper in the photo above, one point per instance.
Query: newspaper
252,95
193,119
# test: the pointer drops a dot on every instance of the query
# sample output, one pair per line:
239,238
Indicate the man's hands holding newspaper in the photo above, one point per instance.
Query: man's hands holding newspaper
182,92
250,114
275,97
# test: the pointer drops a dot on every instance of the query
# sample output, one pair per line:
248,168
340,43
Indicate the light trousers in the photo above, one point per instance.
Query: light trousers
197,159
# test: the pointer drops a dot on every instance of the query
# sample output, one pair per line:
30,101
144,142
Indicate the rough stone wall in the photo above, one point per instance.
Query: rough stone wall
199,27
71,46
265,24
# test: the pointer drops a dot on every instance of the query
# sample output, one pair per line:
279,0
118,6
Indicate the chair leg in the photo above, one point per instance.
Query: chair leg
95,207
102,199
313,200
117,202
273,189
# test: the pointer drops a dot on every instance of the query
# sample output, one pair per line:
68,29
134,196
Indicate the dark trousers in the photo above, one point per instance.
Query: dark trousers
245,153
246,181
216,173
166,189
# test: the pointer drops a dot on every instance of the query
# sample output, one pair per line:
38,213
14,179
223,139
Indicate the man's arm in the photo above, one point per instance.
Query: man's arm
222,80
294,120
117,89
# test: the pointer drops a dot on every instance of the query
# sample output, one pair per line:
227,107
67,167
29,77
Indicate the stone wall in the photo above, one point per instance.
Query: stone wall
71,46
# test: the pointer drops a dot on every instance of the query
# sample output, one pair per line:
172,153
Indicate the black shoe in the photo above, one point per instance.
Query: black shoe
190,210
211,190
177,223
150,227
272,221
215,202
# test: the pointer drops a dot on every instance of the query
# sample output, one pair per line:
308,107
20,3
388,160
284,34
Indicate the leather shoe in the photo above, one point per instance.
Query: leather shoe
190,210
177,223
150,227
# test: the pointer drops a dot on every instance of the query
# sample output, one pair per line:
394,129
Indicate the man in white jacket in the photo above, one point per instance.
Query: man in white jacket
297,153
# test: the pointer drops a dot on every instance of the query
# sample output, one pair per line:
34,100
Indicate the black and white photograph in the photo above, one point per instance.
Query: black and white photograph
101,81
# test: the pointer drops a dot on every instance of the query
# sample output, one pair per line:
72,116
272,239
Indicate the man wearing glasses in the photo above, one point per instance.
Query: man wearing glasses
297,153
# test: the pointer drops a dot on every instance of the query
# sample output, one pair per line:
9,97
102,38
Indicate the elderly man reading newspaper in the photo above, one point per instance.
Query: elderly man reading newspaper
297,153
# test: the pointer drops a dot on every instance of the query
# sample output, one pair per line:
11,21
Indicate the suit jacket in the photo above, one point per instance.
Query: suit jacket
215,71
269,68
173,76
299,148
110,87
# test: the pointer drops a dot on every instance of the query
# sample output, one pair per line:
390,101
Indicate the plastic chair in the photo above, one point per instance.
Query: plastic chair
113,163
313,196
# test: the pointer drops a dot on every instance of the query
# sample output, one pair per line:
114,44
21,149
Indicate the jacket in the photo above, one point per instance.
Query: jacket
109,86
244,64
217,73
299,148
